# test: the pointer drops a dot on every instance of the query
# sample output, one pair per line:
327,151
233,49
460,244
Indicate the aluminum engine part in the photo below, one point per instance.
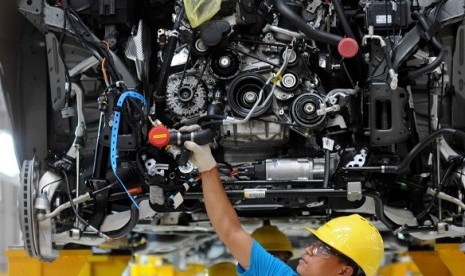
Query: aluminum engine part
297,169
254,133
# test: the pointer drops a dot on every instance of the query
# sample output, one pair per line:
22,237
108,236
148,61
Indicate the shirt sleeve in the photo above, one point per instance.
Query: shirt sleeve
263,263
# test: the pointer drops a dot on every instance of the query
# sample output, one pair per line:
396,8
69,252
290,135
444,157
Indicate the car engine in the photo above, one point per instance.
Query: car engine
312,109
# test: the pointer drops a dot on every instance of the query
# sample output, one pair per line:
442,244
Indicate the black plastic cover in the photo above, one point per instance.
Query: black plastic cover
387,14
212,32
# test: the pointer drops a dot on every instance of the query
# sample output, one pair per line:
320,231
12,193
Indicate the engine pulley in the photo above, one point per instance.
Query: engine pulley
289,82
304,111
293,58
244,93
188,98
200,48
225,64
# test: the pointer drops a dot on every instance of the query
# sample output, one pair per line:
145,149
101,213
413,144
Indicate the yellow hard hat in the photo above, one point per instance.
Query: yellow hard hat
272,239
222,269
356,238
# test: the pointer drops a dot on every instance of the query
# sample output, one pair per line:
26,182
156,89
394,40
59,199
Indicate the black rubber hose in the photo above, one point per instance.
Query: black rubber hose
123,231
201,137
300,24
435,43
342,18
404,166
212,120
164,70
160,95
212,123
429,67
327,169
212,116
379,210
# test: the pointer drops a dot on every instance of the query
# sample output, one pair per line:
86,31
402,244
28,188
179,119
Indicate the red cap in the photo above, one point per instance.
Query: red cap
347,47
159,136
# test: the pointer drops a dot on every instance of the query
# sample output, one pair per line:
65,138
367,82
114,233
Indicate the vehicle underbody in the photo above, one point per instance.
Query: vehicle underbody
313,109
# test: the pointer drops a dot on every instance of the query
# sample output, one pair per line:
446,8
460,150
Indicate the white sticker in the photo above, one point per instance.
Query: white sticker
254,193
384,19
328,144
177,200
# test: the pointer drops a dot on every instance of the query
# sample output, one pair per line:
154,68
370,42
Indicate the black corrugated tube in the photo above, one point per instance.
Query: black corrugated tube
300,24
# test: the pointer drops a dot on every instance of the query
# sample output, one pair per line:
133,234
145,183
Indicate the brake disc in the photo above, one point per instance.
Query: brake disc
28,190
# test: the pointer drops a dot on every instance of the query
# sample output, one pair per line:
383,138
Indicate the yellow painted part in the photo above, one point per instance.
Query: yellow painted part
400,269
70,262
192,270
150,266
150,270
429,263
452,257
154,266
446,260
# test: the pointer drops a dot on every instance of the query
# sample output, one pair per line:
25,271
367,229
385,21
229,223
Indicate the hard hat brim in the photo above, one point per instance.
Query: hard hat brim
314,232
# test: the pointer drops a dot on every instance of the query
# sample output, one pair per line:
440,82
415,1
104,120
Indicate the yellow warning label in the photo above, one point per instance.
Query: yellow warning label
158,136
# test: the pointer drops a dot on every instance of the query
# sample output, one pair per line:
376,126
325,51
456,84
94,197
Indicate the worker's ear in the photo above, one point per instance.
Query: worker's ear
346,270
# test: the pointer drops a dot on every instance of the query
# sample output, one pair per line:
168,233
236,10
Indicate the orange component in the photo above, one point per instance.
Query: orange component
135,190
159,136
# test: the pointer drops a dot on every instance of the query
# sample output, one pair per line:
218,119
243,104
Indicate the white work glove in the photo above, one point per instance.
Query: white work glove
201,155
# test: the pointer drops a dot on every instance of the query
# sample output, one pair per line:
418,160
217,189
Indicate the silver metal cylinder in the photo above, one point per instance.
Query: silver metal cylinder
42,203
296,169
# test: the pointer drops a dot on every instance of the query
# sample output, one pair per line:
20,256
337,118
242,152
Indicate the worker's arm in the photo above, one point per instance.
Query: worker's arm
219,209
224,218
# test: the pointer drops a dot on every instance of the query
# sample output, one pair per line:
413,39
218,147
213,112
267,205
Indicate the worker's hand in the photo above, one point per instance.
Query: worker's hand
190,128
201,156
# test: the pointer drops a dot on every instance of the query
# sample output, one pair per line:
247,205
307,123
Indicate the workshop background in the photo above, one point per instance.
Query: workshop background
10,23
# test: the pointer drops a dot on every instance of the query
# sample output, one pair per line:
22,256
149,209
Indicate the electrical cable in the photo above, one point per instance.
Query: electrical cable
60,48
68,186
448,171
91,42
114,135
48,184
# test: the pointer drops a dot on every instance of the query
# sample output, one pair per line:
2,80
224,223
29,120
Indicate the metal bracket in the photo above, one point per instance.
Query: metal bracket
56,72
354,191
387,122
